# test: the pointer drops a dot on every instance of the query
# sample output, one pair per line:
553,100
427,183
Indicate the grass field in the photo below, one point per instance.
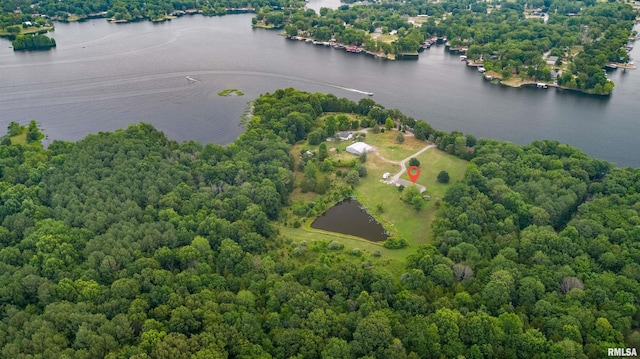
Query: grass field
391,259
431,163
385,37
390,149
19,139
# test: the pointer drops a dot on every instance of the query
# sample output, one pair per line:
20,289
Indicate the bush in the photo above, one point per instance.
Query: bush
400,138
400,188
414,162
352,177
362,171
356,252
395,243
299,251
376,128
335,246
417,202
377,254
443,177
296,224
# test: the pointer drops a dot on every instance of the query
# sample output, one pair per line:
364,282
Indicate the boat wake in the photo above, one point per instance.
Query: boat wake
191,79
353,90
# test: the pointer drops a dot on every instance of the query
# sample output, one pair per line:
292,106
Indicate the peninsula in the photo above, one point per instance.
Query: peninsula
130,245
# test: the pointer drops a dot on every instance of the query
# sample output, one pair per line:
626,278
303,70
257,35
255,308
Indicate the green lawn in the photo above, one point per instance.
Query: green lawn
431,163
20,139
390,149
385,38
398,216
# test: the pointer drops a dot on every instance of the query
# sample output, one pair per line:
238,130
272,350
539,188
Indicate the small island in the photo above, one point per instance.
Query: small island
33,42
230,92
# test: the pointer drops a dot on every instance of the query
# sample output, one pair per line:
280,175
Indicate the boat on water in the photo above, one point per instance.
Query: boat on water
541,85
481,69
463,57
369,93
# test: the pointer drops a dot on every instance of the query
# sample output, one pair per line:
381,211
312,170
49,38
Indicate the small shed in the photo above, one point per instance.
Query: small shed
359,148
386,175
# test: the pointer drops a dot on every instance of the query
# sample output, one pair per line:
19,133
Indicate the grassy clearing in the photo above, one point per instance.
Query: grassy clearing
390,149
391,259
385,37
431,163
20,139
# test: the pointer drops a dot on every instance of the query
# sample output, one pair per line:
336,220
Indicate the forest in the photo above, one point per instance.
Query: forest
131,245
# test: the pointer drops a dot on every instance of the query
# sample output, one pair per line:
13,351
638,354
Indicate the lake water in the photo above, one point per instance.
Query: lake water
104,76
348,217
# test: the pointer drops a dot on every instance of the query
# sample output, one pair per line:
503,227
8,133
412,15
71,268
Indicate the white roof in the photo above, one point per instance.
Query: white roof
359,148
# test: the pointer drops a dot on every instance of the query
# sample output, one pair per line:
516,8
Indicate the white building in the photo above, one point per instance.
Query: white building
345,136
359,148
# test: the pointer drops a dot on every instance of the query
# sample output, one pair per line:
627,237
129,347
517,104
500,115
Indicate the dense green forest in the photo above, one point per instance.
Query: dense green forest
130,245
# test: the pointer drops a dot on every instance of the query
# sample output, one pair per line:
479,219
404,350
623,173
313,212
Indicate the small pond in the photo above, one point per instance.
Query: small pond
348,217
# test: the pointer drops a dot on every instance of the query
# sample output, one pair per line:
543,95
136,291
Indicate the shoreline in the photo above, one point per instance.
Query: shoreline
338,46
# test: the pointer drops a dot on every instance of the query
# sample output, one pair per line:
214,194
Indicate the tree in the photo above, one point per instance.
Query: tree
414,162
400,137
422,130
14,129
471,140
362,170
372,333
309,179
376,128
443,177
322,152
352,177
388,123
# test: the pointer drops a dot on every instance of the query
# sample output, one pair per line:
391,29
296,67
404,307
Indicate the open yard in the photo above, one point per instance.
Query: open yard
390,149
431,163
